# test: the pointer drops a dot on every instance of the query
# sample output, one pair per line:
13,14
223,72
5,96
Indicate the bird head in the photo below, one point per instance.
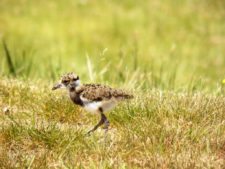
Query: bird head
69,80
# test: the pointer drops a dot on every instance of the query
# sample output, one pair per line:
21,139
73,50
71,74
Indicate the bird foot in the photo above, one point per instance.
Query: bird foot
89,133
106,125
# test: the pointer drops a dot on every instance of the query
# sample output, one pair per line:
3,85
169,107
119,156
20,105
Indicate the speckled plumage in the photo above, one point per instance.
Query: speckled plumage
95,98
98,92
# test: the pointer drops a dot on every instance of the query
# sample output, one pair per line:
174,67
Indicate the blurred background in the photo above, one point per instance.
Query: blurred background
173,44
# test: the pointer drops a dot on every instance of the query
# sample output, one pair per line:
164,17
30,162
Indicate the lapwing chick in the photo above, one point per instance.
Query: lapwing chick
94,98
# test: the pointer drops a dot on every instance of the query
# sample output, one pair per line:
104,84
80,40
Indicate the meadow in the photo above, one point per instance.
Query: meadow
169,54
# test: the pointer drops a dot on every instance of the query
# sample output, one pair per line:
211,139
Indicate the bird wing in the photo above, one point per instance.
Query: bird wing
97,92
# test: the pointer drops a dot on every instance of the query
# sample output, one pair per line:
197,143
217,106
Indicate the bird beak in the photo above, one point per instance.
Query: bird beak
57,86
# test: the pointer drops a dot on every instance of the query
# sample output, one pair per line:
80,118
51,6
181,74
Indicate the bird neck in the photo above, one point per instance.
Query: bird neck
74,93
74,88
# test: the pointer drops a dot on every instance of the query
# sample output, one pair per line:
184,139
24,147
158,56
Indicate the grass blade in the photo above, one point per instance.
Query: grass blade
9,59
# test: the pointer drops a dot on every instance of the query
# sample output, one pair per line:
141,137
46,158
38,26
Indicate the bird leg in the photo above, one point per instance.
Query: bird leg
102,121
106,124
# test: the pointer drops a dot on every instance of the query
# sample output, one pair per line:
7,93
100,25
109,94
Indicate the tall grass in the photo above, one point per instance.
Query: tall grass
171,44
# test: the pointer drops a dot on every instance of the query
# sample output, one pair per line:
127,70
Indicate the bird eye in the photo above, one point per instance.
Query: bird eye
65,81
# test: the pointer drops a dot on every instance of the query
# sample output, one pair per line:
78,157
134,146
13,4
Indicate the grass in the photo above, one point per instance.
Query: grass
172,43
171,53
42,129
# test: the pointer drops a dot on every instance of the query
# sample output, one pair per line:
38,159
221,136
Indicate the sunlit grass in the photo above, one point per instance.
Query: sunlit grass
157,130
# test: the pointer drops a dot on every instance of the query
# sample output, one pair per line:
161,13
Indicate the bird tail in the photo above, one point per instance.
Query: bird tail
124,97
128,96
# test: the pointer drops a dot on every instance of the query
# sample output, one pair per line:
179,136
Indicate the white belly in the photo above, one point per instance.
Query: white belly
94,107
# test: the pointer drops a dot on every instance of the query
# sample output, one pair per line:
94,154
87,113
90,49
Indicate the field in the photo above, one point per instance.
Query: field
169,54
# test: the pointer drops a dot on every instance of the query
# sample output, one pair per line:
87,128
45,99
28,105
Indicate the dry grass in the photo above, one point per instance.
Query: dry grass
41,129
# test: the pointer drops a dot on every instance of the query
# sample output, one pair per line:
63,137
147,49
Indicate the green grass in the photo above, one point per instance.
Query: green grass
171,44
170,52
